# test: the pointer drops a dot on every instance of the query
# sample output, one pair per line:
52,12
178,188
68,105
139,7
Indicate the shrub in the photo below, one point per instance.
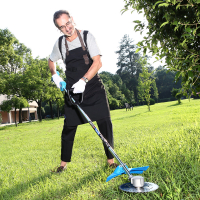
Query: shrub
152,101
177,93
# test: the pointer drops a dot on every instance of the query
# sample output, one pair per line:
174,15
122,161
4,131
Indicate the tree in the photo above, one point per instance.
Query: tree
39,86
129,67
127,57
13,62
144,85
173,34
177,94
141,91
129,95
155,89
165,81
16,103
6,46
116,90
23,76
38,82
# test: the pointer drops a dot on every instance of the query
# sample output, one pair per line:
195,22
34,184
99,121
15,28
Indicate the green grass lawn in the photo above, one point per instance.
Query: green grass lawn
166,139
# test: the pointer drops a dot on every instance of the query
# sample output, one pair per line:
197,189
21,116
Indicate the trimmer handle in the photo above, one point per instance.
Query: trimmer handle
73,102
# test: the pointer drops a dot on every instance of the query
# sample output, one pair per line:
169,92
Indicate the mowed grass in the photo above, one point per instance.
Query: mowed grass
166,139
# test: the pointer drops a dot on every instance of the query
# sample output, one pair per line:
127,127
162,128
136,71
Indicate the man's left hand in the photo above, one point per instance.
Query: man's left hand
79,87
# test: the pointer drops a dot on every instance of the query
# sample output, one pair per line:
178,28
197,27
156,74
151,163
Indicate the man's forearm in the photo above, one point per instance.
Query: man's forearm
96,65
52,67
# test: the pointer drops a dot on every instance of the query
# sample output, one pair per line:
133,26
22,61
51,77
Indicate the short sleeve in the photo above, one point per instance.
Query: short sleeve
92,45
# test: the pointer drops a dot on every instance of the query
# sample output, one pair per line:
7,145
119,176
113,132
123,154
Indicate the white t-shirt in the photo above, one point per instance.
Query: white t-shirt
91,45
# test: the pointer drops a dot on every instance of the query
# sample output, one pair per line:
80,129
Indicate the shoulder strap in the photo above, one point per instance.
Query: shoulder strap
61,37
60,44
85,38
81,40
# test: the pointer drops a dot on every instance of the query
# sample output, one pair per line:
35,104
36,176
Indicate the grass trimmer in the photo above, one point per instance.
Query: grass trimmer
136,183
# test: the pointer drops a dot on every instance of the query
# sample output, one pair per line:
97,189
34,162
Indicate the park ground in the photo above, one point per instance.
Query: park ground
166,139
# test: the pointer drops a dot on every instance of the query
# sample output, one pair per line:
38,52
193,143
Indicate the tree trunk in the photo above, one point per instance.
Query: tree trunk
15,117
39,109
50,103
20,115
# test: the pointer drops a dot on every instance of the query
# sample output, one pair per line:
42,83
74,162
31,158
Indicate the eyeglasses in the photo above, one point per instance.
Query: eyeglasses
66,25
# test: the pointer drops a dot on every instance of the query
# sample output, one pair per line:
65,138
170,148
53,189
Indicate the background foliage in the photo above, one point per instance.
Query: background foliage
174,34
25,77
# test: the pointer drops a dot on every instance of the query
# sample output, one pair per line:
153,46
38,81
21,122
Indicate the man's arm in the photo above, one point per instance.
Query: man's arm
56,78
52,67
96,65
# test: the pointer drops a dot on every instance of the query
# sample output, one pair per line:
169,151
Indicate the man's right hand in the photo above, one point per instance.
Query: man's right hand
59,82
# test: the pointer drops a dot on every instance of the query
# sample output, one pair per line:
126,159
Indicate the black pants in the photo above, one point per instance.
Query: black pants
68,134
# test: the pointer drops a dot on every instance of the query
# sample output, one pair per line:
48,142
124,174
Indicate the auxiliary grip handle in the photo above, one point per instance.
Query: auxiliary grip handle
73,102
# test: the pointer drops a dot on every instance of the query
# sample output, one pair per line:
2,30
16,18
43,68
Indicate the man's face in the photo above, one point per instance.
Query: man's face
66,25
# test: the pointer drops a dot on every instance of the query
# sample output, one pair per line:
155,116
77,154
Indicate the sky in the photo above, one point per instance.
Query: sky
31,22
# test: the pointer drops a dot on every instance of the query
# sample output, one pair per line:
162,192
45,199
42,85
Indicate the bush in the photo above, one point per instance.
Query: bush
177,93
152,101
113,103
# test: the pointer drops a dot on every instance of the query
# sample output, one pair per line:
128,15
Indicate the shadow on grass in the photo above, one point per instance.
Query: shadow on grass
55,118
10,193
132,116
19,188
176,104
3,128
7,127
73,188
68,190
195,99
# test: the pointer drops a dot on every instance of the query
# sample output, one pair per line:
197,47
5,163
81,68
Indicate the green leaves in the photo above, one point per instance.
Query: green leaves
190,74
163,24
176,26
145,83
163,4
137,50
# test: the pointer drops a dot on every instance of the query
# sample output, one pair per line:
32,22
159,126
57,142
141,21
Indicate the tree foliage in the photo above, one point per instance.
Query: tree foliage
117,93
16,103
177,93
21,76
145,83
173,34
155,89
165,81
129,65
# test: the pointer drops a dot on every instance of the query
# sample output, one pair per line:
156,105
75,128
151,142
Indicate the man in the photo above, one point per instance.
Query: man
82,61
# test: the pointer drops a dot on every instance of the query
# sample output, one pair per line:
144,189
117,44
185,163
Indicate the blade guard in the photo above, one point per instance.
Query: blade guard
119,171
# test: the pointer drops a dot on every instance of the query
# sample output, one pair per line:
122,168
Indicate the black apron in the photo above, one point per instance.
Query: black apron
95,103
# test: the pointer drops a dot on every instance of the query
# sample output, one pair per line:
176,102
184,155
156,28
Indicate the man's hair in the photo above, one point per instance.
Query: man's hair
57,14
